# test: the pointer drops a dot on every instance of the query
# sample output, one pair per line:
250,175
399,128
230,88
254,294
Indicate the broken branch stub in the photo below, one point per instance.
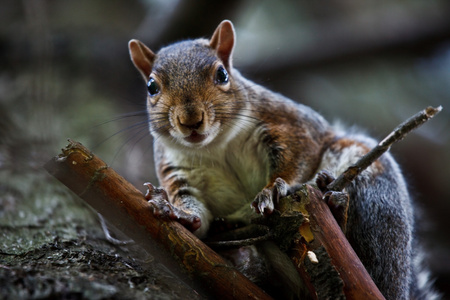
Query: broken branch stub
321,253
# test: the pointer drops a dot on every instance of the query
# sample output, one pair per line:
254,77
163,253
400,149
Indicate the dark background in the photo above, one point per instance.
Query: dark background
65,73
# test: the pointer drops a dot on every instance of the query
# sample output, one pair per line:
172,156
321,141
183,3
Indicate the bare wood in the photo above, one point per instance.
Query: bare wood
396,135
338,273
126,208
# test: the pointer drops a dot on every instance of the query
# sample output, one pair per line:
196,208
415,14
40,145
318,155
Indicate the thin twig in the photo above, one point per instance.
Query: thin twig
238,243
396,135
244,236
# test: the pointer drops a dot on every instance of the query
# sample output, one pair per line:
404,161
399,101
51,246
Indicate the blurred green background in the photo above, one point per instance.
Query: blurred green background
65,73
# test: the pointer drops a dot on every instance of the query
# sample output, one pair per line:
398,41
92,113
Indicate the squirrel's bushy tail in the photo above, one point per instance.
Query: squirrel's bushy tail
422,284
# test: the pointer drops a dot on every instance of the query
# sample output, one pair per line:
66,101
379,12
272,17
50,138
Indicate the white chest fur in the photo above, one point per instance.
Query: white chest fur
226,177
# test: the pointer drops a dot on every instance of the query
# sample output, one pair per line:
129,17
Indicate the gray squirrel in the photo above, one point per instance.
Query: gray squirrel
224,145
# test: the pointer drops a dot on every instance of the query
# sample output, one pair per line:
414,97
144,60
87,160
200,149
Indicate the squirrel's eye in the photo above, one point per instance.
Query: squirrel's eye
152,87
221,76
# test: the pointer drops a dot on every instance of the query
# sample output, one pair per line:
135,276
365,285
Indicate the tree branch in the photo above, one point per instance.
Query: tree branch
338,270
320,251
304,226
396,135
126,208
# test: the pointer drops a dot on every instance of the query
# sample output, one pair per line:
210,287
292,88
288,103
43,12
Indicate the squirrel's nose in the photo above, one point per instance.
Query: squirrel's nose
190,121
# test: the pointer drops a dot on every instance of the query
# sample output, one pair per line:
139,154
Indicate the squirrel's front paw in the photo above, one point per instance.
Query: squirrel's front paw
323,179
336,201
332,198
264,201
157,198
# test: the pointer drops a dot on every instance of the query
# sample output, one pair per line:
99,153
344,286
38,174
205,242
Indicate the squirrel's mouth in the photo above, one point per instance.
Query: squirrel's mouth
195,137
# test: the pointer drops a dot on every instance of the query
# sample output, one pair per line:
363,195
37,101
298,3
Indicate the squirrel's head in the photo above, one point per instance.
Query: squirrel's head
191,89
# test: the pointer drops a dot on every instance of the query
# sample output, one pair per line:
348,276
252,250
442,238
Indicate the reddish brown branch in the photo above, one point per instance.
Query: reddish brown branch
338,272
126,208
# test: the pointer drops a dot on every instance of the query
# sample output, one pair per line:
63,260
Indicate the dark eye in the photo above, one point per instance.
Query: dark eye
152,87
221,76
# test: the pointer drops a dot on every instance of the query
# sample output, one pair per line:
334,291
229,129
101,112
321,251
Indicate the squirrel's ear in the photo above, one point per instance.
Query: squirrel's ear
142,57
223,42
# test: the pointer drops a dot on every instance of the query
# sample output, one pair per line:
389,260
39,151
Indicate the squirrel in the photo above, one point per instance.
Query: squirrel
225,146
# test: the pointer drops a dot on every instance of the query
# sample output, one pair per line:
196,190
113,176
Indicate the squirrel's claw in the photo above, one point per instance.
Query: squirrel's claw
157,198
155,193
323,179
336,201
264,201
332,198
